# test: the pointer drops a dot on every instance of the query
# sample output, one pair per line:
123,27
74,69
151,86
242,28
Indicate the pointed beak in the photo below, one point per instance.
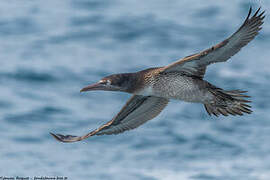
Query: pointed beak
96,86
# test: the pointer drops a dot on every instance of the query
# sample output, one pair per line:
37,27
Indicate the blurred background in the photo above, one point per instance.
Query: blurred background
50,49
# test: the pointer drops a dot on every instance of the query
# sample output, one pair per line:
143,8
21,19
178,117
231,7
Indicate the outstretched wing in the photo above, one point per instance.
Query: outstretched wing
136,111
196,64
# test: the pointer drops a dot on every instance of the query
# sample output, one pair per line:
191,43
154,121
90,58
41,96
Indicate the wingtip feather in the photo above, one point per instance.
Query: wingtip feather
65,139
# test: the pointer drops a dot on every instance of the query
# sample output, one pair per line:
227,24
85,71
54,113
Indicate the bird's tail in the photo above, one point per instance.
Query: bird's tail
228,102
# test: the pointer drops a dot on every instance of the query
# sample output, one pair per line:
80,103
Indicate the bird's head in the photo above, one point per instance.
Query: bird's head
116,82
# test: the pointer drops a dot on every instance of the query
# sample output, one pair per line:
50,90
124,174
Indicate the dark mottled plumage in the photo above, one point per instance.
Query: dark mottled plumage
152,88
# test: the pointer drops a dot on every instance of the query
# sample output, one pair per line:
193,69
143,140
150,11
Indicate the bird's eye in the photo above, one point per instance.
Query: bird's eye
107,82
102,82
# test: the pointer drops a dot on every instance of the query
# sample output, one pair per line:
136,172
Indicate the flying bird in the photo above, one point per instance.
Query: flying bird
183,80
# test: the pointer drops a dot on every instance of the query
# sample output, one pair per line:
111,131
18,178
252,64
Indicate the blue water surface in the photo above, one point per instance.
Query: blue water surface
50,49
